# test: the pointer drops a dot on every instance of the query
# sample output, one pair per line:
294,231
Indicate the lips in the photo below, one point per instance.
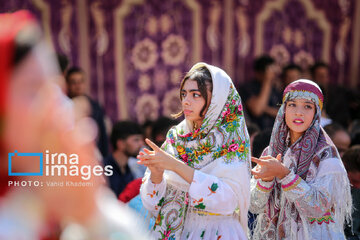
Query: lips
298,121
187,112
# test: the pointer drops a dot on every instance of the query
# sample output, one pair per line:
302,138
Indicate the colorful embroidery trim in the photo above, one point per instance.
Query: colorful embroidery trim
327,218
210,213
264,189
292,184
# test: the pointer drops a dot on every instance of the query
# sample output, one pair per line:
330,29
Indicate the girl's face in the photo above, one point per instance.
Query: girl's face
192,102
299,114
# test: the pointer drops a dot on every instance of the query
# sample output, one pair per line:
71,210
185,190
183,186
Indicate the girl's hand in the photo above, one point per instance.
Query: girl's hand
269,167
157,160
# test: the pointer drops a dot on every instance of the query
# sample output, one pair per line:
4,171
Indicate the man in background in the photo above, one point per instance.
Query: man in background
339,136
126,140
75,81
260,95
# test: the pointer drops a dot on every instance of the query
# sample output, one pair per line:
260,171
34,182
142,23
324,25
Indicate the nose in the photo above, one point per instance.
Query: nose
186,101
299,111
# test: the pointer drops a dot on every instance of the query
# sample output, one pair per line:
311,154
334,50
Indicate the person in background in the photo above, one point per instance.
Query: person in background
260,95
351,159
335,97
63,64
291,73
160,128
261,141
147,128
126,140
75,81
354,130
320,74
339,136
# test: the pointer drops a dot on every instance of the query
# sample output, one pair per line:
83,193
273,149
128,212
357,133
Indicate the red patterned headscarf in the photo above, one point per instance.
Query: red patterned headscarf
315,144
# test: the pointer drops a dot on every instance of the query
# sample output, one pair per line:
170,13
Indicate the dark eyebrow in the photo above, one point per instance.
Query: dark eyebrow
191,90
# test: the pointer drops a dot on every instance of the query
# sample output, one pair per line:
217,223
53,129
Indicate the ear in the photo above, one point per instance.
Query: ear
120,144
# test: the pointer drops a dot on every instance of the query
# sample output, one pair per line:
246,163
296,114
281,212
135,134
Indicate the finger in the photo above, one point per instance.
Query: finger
148,163
266,157
148,151
256,176
255,172
256,160
144,157
278,157
152,145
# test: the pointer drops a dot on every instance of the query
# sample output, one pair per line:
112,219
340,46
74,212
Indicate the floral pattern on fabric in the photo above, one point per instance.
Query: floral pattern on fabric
228,123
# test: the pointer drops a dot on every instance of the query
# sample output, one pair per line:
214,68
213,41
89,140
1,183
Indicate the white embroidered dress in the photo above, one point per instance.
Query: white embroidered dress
215,204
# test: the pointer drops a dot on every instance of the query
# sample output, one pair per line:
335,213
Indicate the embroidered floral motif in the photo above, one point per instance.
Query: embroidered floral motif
189,156
200,204
213,188
154,193
202,234
232,150
158,220
165,235
161,201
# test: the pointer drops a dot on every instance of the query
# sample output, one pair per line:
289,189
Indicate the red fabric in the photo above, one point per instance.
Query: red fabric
131,190
10,25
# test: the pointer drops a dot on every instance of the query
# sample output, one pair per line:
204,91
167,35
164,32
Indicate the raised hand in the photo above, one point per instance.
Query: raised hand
268,168
157,161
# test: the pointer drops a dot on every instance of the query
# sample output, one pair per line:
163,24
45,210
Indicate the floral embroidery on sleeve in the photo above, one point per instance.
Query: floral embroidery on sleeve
160,203
154,193
200,204
218,236
202,234
213,188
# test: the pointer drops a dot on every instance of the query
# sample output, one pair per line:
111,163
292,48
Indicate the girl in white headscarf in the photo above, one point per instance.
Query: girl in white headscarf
197,184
